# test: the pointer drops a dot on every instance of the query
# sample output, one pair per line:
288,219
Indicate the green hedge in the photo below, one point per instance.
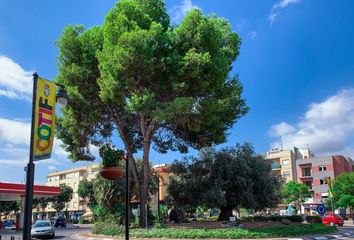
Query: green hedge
274,218
284,231
108,228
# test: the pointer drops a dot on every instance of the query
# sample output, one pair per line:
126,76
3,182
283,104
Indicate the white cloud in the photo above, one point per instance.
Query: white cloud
252,34
326,126
284,3
14,163
274,13
15,82
52,168
281,129
15,132
179,11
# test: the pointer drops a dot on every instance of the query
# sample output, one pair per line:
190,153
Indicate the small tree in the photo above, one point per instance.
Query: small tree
343,190
86,190
40,204
65,196
296,193
6,207
230,178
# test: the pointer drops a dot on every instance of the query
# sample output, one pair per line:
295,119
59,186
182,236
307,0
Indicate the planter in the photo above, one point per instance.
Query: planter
111,173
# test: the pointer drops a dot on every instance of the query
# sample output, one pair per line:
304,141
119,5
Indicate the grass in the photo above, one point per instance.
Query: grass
284,231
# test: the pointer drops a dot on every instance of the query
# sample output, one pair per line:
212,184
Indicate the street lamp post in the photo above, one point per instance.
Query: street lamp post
62,99
127,198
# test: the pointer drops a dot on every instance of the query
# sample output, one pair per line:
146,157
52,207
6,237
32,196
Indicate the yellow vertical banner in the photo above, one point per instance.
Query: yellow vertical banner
44,120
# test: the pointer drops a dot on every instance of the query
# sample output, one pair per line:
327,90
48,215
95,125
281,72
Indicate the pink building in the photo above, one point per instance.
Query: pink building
312,171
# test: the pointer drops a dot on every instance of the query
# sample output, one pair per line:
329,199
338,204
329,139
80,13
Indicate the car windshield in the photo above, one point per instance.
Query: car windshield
41,224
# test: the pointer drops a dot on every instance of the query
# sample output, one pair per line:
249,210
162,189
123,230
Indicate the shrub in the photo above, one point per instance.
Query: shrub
201,219
295,218
108,228
81,220
275,218
213,218
247,219
260,218
275,232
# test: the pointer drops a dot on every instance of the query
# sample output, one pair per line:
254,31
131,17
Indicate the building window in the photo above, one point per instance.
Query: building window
286,162
306,172
286,174
321,181
322,168
62,177
75,205
308,183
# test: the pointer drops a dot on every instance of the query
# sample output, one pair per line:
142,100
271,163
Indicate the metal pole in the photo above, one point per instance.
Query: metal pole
127,198
158,197
30,171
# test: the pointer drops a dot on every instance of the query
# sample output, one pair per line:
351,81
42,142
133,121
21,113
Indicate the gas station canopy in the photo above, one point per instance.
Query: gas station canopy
15,191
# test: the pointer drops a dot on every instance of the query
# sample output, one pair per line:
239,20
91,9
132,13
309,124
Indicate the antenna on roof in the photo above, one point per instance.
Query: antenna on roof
281,143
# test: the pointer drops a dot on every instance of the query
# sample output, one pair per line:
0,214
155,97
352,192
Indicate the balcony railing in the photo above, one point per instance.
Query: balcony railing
275,165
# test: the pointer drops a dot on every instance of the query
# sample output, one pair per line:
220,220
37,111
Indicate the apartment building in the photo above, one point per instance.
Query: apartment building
283,162
312,172
72,177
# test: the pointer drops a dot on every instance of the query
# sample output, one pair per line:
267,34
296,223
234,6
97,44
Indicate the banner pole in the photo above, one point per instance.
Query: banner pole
30,171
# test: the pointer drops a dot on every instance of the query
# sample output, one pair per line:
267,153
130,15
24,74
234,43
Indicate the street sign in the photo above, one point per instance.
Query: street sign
321,209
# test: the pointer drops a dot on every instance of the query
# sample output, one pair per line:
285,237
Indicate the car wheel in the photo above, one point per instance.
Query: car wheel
331,224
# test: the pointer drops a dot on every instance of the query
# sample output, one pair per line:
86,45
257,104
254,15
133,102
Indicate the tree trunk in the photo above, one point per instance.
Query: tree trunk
225,213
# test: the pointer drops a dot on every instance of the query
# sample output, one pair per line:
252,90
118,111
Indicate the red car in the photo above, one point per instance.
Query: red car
332,219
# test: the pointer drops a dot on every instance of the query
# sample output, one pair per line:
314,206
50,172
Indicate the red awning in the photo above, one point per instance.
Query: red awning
14,191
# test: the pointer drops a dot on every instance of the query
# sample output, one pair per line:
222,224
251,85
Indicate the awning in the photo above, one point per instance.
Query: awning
16,191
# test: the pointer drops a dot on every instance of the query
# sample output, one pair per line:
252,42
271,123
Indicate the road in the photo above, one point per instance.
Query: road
60,233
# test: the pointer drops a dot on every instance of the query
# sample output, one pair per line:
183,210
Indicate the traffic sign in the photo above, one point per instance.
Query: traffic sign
321,209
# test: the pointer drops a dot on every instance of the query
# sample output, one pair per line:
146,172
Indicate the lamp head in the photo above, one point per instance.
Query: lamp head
62,97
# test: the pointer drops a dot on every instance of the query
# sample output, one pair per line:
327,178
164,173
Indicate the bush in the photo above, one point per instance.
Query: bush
275,218
260,218
81,220
247,219
275,232
201,219
213,218
108,228
295,218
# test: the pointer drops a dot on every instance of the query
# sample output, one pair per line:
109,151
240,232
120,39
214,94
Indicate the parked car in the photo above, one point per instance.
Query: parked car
8,224
42,228
343,215
60,222
332,219
314,219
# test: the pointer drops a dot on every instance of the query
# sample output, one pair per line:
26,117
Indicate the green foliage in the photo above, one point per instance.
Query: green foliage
86,190
155,84
65,196
109,228
234,233
109,193
6,207
296,193
343,190
213,218
229,178
295,218
111,157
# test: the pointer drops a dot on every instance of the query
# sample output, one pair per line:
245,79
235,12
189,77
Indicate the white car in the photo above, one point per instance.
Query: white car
42,228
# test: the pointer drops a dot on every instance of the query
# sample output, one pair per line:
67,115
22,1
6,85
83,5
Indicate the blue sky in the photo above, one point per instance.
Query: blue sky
296,66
